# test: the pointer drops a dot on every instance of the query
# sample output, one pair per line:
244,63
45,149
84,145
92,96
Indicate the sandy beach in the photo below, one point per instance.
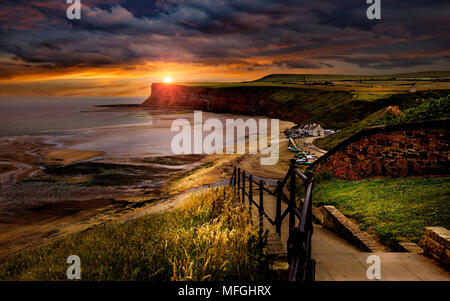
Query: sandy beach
53,185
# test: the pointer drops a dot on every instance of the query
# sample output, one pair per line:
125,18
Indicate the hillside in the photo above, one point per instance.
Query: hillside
274,78
330,108
411,103
333,109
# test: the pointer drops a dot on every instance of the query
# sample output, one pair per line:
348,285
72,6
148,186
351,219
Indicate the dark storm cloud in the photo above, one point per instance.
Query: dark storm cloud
292,34
389,63
297,64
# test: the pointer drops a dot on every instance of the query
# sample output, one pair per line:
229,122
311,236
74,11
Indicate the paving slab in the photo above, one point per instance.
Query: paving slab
339,260
341,267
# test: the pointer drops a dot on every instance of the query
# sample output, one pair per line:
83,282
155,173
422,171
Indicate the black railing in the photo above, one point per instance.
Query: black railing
301,265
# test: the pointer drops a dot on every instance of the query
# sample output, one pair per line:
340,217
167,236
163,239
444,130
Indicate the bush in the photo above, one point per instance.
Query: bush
428,109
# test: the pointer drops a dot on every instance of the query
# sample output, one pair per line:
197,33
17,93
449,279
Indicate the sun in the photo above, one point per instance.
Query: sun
167,80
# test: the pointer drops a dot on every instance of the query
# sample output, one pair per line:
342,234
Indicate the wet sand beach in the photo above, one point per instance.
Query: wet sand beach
69,181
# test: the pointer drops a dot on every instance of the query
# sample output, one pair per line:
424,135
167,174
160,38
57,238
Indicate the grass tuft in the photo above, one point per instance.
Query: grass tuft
208,237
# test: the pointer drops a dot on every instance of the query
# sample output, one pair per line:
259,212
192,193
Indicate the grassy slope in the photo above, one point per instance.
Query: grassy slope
208,237
331,108
398,212
403,101
340,106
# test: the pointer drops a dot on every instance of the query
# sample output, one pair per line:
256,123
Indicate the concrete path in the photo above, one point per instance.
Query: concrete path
338,260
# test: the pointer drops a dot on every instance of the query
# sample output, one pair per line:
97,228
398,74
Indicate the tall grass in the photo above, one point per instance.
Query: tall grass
208,237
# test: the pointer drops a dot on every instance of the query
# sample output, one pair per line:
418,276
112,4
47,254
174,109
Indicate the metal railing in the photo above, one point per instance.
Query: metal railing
301,265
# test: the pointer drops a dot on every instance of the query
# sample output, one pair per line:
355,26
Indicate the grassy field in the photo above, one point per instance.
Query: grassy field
341,77
362,84
208,237
299,79
398,212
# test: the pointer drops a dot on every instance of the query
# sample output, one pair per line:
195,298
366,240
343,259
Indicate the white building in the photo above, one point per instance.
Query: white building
314,130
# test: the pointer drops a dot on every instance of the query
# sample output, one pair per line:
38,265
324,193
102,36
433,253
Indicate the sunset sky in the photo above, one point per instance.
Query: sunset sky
119,47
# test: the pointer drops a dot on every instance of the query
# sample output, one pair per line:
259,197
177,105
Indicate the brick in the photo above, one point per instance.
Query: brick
434,247
411,247
439,234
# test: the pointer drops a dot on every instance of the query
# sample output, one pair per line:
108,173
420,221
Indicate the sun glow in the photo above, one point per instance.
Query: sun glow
167,80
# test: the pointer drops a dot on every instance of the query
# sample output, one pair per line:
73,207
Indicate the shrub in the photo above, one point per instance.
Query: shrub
428,109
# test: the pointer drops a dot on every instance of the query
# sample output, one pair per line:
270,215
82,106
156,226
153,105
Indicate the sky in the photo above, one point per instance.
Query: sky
119,47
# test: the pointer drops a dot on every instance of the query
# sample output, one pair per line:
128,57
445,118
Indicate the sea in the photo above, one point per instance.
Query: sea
116,126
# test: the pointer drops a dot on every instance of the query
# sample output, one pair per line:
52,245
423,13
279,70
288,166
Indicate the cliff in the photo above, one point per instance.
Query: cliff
233,99
330,108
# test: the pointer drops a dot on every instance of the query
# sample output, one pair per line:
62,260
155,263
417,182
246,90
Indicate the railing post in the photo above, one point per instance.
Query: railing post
233,177
310,266
278,210
261,206
292,196
239,183
250,195
243,186
309,174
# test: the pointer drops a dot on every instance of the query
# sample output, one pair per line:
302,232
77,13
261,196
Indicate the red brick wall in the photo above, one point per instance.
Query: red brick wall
413,149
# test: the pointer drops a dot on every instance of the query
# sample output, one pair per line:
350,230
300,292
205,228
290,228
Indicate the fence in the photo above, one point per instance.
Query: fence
301,265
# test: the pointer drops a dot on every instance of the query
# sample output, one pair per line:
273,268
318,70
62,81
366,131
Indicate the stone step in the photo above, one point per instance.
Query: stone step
338,260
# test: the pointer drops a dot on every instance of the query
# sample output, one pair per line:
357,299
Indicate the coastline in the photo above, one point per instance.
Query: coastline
47,207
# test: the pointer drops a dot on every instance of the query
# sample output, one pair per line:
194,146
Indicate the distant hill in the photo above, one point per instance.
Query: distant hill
341,77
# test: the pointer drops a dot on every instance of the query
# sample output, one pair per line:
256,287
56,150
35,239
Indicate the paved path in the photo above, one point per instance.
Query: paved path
338,260
307,142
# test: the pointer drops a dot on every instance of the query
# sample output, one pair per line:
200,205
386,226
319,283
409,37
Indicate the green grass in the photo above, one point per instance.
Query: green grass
332,108
209,237
405,102
287,97
427,110
396,209
331,141
325,77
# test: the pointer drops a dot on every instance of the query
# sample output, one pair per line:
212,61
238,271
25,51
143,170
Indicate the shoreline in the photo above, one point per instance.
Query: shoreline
40,222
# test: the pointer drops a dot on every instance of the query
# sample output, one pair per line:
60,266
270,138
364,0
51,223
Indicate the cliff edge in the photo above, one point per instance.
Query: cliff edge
293,104
331,108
